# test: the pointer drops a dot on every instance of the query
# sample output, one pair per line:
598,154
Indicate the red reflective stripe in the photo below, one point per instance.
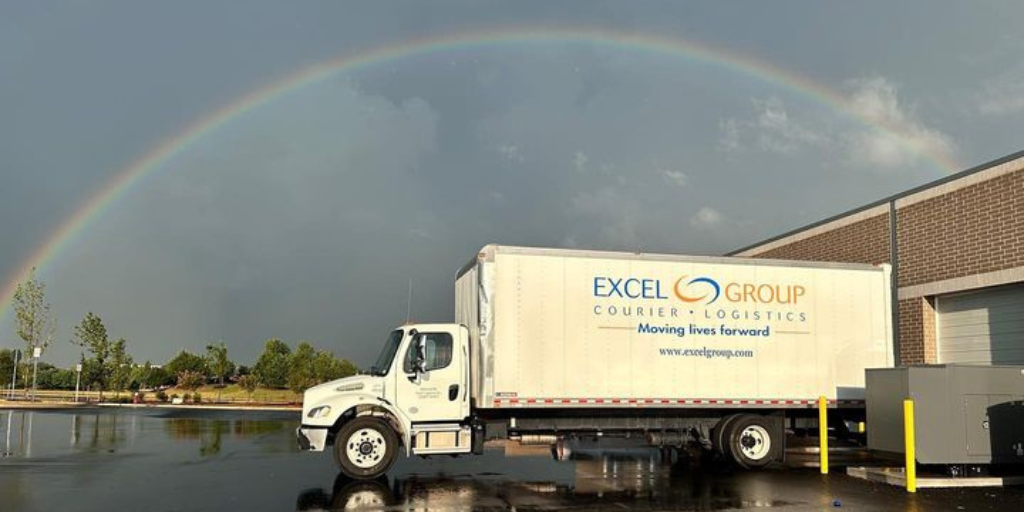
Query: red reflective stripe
679,401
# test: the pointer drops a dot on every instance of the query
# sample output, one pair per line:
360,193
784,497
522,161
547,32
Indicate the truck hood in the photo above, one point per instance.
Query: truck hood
354,385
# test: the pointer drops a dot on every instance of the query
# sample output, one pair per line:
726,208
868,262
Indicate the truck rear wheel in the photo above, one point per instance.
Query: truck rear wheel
365,448
751,441
720,436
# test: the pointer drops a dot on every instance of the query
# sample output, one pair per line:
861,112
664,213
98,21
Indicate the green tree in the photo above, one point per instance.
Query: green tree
92,374
220,366
326,367
33,317
187,361
91,335
271,369
149,376
6,367
120,366
51,377
301,372
249,384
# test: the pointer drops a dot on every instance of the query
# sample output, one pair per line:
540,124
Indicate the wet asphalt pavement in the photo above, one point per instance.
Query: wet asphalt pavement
158,460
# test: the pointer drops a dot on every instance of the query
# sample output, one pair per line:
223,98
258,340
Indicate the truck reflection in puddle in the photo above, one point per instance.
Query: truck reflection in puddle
607,477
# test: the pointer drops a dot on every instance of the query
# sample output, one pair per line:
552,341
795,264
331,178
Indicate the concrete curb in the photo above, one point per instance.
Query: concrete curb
215,407
18,405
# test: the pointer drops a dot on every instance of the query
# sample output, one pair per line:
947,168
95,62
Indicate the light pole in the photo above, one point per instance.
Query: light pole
14,378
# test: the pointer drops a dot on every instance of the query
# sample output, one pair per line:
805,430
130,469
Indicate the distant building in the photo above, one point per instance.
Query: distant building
959,248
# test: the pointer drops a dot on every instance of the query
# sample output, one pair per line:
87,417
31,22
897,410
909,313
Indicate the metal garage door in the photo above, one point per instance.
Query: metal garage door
984,327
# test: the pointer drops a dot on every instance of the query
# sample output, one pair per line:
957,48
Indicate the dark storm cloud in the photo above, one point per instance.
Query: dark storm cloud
306,218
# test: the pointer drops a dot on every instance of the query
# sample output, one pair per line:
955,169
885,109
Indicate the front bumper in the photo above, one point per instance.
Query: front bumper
311,439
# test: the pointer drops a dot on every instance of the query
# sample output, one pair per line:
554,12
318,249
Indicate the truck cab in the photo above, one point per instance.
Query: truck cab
415,397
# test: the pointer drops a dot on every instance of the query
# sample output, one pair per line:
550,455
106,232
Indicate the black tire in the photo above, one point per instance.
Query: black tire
365,448
361,494
719,438
752,441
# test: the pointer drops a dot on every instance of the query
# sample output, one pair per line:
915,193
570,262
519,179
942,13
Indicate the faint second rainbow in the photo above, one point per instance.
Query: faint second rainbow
66,233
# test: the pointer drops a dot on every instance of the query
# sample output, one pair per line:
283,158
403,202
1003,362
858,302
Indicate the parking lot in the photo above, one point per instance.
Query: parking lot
157,460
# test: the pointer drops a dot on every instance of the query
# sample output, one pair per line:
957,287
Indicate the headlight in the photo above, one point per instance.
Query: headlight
349,388
319,412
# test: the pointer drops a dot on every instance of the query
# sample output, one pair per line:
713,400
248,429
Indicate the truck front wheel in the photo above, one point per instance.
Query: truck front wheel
365,448
752,441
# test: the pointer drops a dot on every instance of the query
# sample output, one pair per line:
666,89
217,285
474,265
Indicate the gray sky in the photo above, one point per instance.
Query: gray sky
306,217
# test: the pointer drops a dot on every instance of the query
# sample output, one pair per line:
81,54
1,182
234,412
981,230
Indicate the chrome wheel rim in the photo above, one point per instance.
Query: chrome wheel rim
365,448
754,442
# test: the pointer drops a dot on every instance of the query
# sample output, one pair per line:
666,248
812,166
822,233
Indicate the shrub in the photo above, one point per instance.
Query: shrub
187,397
197,398
161,396
142,397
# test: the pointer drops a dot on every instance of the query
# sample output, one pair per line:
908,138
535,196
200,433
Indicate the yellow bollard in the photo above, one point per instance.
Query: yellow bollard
823,433
908,440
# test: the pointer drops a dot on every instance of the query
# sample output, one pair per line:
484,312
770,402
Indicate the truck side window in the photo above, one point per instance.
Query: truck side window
438,352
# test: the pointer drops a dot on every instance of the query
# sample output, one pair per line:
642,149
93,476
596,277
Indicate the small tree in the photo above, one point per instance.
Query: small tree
91,334
249,384
120,366
301,375
6,367
220,366
271,369
187,361
34,319
326,367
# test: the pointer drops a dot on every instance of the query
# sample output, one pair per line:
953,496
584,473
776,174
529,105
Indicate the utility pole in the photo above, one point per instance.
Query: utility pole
14,378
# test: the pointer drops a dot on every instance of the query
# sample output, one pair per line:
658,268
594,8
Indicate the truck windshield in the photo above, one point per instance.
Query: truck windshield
387,354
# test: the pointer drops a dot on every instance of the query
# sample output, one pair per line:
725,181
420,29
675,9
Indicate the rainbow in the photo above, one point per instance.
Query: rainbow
59,240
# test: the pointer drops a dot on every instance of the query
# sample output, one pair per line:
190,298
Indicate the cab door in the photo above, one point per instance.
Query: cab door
439,393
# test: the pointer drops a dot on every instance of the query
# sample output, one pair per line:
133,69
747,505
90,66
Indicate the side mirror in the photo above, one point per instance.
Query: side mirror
419,362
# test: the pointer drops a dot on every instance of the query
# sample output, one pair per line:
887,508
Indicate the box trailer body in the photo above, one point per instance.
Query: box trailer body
551,343
558,328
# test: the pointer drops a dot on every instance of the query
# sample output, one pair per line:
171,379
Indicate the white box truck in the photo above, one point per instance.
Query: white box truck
548,344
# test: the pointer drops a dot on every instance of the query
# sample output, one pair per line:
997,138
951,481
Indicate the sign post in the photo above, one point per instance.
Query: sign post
78,379
36,352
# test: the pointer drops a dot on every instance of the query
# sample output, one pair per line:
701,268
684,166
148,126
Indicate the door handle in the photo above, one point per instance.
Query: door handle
453,392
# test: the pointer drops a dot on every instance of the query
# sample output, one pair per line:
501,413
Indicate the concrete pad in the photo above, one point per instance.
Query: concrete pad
896,476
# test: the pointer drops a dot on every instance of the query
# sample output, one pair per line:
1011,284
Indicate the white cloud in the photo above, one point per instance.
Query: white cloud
904,138
678,178
1003,94
579,161
511,152
707,218
890,134
772,130
729,140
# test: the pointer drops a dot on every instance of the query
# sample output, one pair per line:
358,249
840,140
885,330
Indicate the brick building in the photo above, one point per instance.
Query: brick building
958,248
